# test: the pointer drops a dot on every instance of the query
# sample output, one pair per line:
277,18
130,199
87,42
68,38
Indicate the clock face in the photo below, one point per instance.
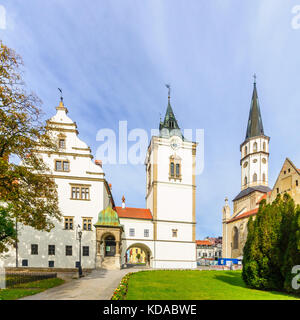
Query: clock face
175,143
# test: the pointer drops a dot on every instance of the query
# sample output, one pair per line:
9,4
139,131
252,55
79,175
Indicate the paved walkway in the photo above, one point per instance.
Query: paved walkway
98,285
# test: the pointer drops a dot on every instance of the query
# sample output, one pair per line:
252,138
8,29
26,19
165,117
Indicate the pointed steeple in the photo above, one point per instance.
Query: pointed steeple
169,126
255,125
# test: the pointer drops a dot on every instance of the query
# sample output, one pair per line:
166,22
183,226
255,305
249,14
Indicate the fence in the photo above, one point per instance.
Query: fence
14,279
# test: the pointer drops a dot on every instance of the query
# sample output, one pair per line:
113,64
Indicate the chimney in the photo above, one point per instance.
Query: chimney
98,163
123,202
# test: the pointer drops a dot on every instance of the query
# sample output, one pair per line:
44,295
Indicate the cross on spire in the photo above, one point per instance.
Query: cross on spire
254,77
169,90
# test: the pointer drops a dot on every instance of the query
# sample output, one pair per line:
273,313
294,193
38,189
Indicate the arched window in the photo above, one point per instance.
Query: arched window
235,238
245,180
246,150
264,177
172,169
255,147
264,146
254,177
177,170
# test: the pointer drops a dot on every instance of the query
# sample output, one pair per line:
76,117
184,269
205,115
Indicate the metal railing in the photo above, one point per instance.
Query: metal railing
14,279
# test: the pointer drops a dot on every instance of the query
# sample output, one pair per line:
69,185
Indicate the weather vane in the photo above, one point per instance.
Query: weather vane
169,89
61,94
254,76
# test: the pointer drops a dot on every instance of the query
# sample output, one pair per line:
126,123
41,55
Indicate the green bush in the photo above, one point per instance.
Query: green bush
273,246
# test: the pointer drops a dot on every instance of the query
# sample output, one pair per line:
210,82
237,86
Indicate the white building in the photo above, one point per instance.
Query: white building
165,230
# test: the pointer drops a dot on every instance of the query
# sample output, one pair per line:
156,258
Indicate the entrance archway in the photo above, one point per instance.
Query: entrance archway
138,254
109,246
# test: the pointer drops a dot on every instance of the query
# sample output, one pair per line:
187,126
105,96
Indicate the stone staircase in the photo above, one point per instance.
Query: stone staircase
109,263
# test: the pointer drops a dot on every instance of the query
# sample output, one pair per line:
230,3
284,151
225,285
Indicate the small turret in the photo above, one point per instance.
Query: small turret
226,211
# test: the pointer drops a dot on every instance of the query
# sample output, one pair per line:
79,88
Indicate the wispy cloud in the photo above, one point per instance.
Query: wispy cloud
112,59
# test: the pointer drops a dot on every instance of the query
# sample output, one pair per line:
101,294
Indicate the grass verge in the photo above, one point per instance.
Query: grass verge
28,289
191,285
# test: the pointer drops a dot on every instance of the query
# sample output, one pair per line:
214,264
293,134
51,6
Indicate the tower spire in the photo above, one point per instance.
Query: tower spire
169,126
255,125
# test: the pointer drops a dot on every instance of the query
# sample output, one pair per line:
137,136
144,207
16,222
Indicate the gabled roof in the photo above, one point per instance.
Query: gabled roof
255,126
134,213
244,215
249,190
292,164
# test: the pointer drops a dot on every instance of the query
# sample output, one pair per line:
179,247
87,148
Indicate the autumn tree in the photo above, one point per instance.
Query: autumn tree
27,192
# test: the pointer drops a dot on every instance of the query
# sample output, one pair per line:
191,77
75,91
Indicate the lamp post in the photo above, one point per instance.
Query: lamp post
79,238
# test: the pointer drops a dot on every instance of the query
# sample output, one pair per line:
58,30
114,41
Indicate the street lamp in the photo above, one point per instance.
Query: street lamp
79,237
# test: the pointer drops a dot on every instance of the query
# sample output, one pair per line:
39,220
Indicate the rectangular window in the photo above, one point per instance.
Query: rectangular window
34,249
51,250
66,166
68,250
62,143
58,166
62,165
69,223
85,251
51,264
146,233
131,232
296,183
80,192
174,233
24,263
87,224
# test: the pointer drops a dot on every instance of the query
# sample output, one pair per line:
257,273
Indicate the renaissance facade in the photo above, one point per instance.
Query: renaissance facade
164,231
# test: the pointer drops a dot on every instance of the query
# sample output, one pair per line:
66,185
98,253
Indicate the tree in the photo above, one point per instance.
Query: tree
7,228
271,249
27,192
292,254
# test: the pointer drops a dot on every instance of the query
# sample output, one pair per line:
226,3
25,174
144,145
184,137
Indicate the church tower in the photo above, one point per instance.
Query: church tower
171,194
255,149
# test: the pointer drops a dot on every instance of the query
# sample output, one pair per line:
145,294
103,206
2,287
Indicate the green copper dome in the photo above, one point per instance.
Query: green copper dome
108,217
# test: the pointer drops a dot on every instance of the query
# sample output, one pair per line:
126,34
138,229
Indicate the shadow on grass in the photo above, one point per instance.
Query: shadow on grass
235,279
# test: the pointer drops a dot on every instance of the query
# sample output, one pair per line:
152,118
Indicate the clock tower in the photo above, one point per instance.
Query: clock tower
171,195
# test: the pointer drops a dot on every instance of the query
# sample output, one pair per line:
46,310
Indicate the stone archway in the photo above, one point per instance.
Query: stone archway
108,247
148,257
108,238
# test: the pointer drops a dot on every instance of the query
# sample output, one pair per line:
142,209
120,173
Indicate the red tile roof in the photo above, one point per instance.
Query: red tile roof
244,215
262,198
203,243
134,213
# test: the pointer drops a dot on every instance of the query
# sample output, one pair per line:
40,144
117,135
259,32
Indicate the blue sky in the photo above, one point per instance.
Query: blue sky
113,57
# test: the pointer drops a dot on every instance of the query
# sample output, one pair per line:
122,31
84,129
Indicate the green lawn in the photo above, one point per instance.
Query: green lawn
195,285
28,289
